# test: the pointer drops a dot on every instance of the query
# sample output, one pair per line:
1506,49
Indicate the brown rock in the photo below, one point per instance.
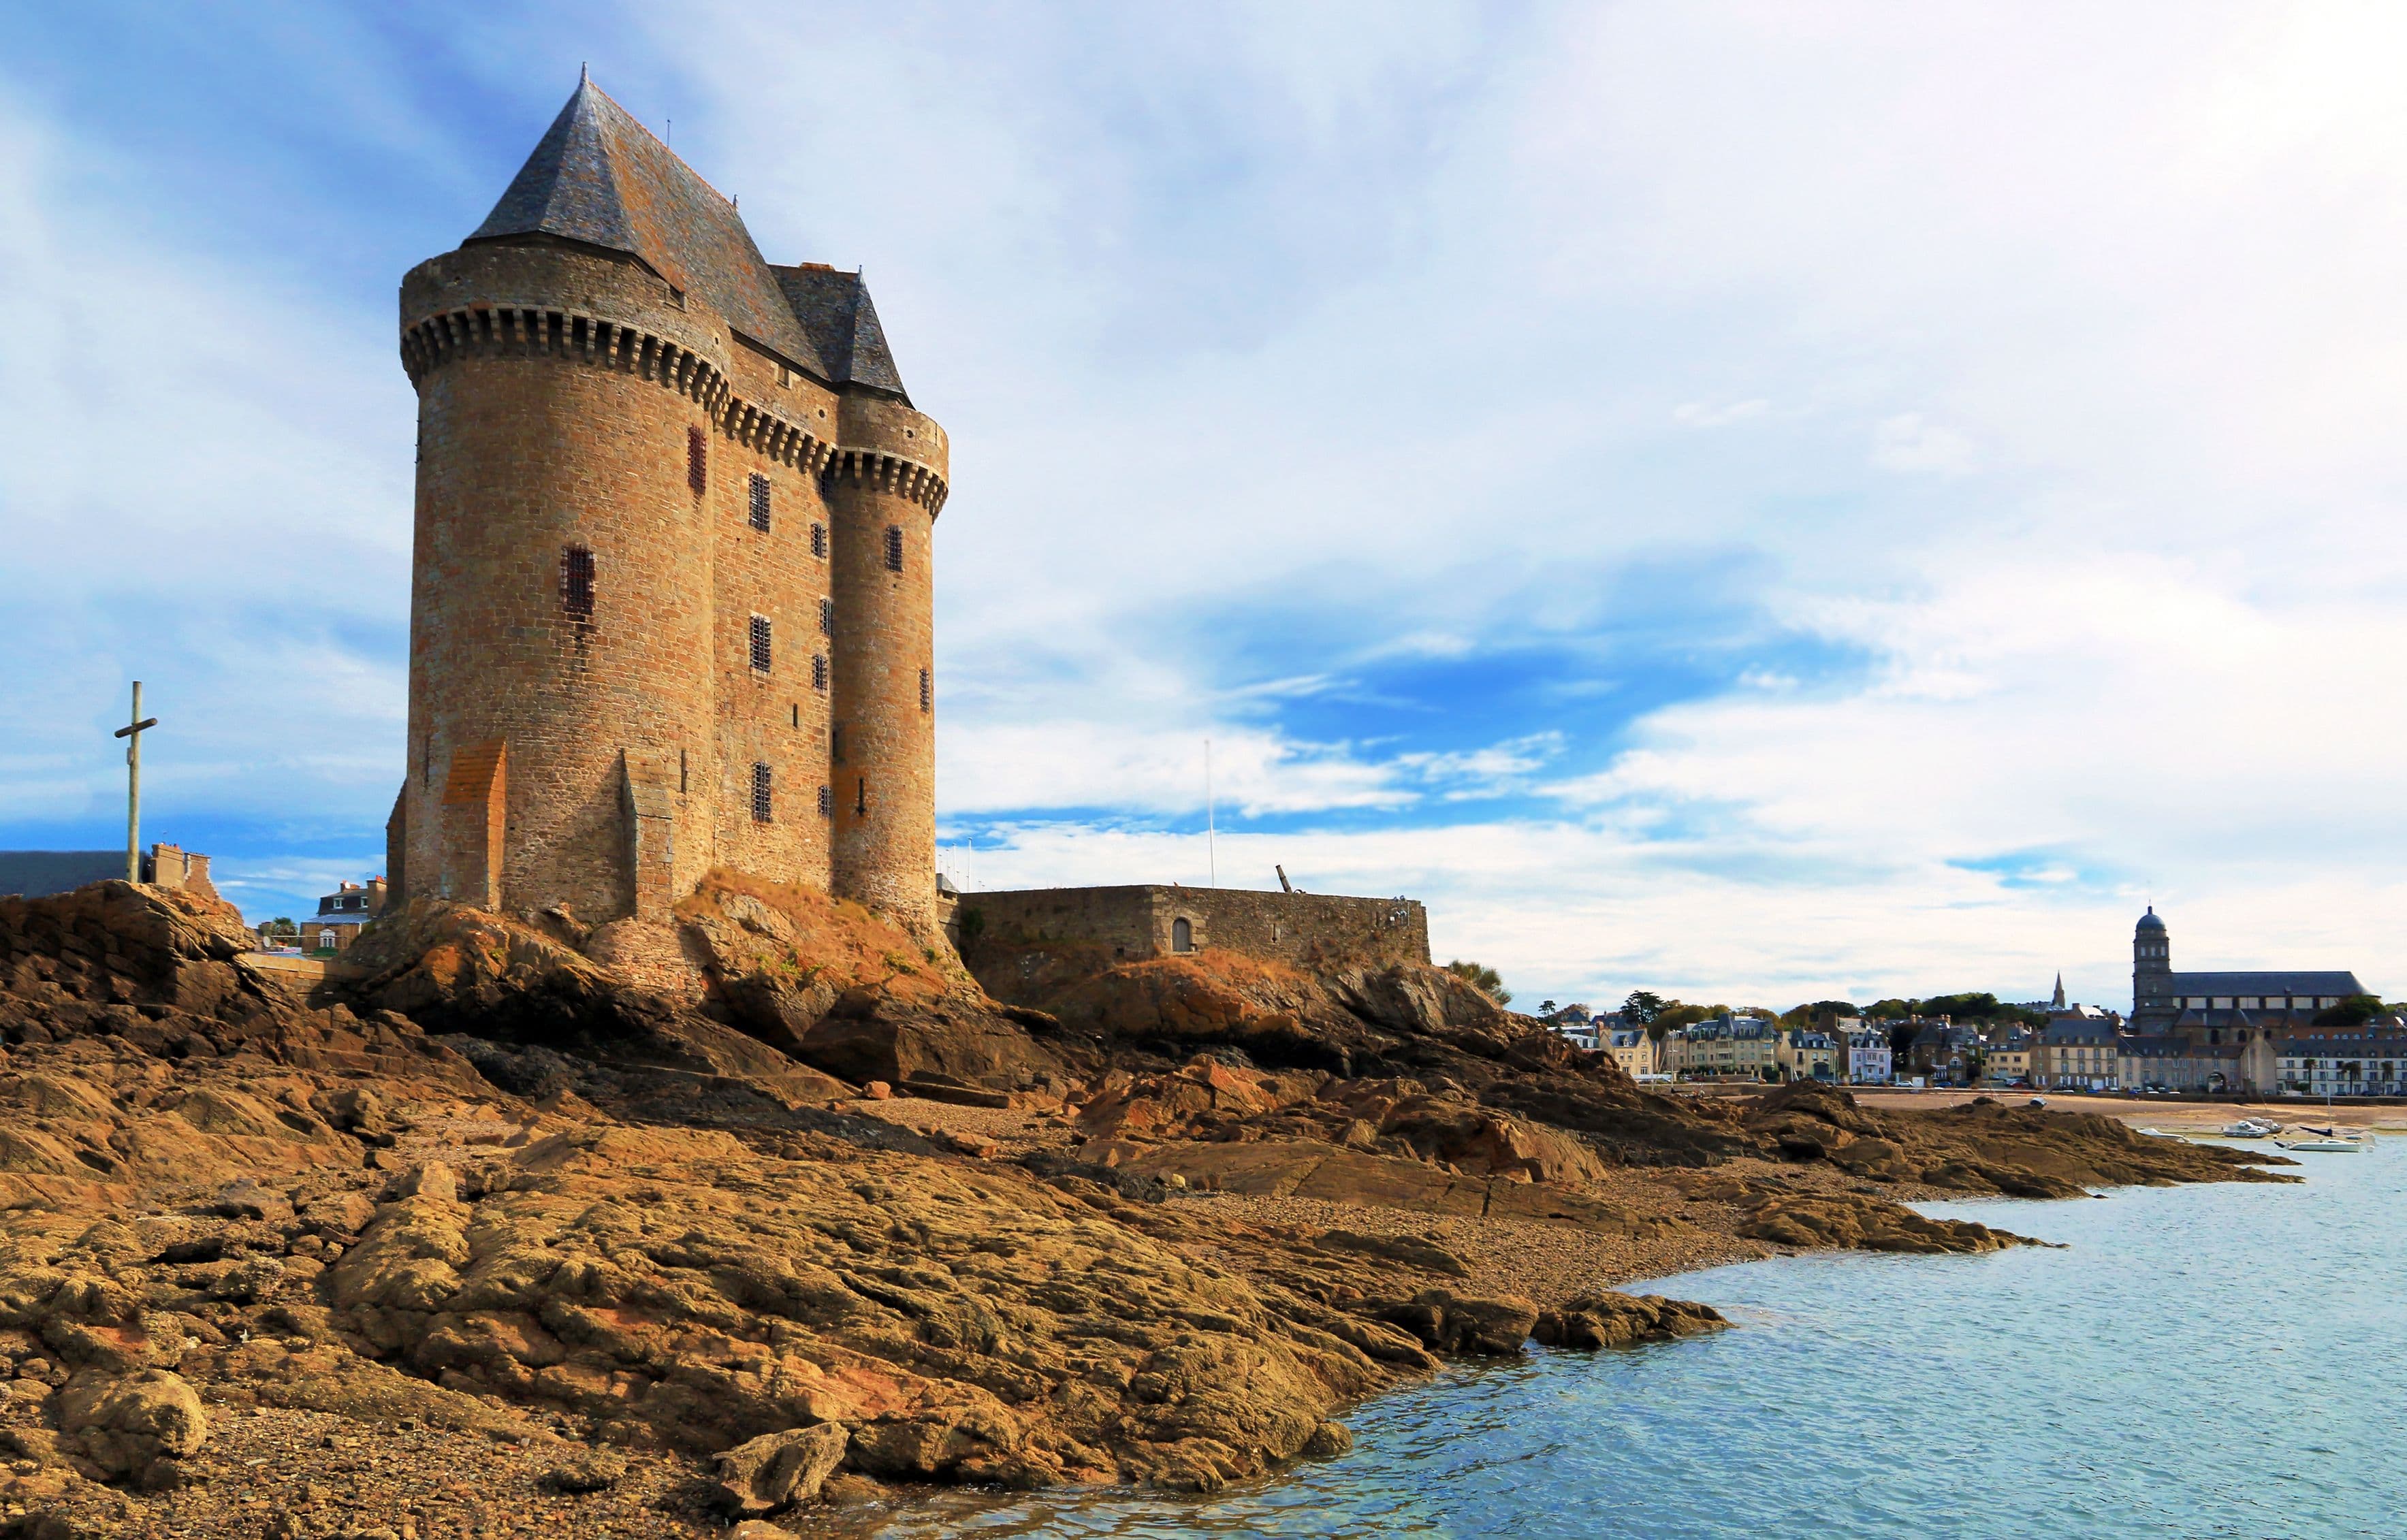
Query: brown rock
592,1471
1611,1319
774,1470
127,1422
1446,1324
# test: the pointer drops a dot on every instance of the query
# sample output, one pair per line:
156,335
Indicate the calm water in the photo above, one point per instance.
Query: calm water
2202,1361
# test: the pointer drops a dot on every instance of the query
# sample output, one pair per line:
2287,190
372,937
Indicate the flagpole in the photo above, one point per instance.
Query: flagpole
1211,822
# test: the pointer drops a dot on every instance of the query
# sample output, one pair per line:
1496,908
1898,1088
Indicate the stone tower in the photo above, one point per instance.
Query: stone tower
670,601
2152,966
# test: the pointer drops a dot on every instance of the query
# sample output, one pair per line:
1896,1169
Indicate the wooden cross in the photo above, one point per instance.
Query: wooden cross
132,732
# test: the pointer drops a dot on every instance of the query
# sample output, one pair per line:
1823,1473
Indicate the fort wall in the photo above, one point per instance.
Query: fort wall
1305,930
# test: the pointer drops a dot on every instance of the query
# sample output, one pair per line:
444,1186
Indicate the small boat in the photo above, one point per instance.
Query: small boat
2322,1146
2252,1128
2159,1133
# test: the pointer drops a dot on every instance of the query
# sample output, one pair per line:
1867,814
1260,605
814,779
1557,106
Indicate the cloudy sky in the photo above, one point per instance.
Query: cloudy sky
1759,502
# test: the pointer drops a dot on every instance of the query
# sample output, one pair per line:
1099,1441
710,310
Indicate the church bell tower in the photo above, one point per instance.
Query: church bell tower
2152,967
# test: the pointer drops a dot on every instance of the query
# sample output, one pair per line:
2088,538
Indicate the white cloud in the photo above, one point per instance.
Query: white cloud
1907,443
1277,344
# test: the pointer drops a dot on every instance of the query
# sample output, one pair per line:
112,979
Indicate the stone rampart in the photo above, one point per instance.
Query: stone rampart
1142,921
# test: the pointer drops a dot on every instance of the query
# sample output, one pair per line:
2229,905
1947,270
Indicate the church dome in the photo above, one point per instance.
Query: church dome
2149,921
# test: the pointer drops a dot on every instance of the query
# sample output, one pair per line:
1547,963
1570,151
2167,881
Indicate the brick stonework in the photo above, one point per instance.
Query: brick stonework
557,386
1304,929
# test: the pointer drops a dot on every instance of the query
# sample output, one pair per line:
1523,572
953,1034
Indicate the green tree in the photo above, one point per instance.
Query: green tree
280,925
2355,1011
1890,1010
1643,1008
1485,979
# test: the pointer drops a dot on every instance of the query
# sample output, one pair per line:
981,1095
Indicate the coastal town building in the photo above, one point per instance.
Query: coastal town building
2006,1060
341,914
1805,1054
2079,1049
2163,1000
1726,1047
2350,1064
1868,1056
1633,1049
1945,1053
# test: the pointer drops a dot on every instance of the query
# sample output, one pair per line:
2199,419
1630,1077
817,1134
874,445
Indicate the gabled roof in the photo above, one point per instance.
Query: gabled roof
599,177
842,323
2266,983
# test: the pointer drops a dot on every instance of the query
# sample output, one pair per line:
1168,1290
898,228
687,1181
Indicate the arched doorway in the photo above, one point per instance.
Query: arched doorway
1182,936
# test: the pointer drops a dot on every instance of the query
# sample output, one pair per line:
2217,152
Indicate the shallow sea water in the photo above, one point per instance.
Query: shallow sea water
2224,1361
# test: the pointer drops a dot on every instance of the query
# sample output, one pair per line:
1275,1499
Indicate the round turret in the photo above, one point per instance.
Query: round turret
884,488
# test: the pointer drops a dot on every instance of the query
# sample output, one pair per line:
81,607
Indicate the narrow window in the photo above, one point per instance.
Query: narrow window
798,713
926,691
759,500
577,583
819,672
827,802
762,786
893,548
835,743
861,797
681,772
827,616
818,541
760,643
697,460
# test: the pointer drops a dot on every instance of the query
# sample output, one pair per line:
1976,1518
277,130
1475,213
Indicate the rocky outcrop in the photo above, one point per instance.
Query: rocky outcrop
1985,1147
654,1222
1608,1319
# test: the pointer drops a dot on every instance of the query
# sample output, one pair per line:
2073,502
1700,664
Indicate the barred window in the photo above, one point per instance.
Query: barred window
697,460
827,802
818,541
893,548
759,500
762,786
827,616
819,671
760,643
926,691
577,583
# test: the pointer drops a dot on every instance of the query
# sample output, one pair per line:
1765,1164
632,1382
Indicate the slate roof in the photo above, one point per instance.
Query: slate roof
37,874
599,177
837,315
2260,984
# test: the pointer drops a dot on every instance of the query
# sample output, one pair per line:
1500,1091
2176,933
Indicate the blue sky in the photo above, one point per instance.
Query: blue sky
1756,502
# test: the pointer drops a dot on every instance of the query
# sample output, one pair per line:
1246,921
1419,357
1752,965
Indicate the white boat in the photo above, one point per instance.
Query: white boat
2323,1147
2252,1128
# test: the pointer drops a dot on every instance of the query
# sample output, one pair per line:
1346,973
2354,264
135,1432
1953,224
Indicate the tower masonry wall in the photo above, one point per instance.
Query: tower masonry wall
586,709
527,454
1304,930
884,751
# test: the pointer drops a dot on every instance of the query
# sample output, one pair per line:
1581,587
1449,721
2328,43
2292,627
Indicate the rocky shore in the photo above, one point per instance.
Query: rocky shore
759,1219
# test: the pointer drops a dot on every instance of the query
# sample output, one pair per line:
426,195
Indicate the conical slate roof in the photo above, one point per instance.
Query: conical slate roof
842,323
600,177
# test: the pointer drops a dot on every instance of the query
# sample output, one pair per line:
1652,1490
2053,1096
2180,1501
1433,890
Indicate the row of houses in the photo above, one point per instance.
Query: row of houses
1742,1048
2081,1049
